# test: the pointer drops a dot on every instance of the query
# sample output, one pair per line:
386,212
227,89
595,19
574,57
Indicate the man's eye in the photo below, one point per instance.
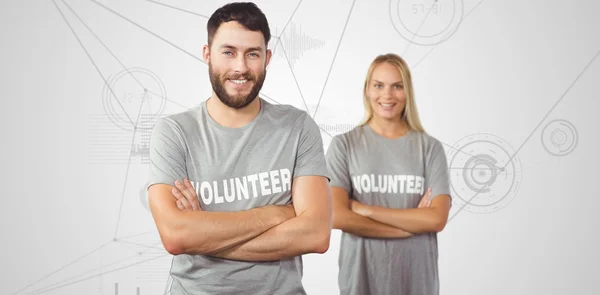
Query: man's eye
254,54
227,52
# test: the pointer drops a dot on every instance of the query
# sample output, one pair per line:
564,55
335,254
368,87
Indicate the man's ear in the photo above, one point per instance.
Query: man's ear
269,54
206,53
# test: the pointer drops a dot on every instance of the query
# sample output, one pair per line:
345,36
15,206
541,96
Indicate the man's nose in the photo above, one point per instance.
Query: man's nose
240,64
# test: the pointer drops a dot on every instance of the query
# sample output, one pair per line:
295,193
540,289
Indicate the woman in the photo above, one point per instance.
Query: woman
390,191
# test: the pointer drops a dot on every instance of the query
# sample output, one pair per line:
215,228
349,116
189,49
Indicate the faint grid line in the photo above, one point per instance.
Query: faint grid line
146,30
177,8
285,27
63,267
126,246
333,61
172,101
97,275
148,101
135,235
457,149
294,76
267,97
91,59
128,165
462,168
146,250
432,48
142,245
43,289
467,203
554,106
114,55
419,28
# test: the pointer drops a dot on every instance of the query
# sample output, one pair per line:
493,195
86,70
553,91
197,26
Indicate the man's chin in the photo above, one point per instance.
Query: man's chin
238,102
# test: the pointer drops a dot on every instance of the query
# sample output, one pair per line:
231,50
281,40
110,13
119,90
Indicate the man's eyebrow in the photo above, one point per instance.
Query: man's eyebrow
227,46
254,49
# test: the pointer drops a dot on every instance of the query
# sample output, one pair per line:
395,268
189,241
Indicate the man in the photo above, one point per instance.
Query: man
238,186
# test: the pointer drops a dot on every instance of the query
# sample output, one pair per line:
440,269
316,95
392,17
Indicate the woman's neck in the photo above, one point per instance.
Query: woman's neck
389,128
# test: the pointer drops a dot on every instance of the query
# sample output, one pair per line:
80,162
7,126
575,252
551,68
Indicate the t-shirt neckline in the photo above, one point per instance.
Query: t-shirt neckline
377,135
237,130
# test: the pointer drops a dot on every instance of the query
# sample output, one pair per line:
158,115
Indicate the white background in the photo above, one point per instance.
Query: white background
491,83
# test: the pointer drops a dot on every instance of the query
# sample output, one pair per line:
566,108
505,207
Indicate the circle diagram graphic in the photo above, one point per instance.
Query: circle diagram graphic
559,137
131,94
485,173
426,22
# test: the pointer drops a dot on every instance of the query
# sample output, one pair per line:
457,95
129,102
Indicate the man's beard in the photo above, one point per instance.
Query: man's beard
235,101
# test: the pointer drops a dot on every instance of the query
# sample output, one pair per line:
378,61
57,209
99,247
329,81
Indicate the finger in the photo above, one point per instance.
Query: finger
188,184
180,206
181,199
195,202
189,196
429,195
423,200
177,194
184,202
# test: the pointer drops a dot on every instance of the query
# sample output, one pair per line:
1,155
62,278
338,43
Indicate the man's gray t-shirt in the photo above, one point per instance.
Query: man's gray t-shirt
392,173
235,169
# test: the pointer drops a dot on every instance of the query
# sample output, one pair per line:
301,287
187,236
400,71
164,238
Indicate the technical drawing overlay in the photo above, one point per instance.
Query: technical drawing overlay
487,170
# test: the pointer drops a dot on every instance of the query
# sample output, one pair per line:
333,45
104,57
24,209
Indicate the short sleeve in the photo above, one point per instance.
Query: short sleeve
310,157
167,153
436,170
337,164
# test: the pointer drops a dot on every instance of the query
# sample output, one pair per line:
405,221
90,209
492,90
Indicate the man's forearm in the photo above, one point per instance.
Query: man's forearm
297,236
205,232
414,220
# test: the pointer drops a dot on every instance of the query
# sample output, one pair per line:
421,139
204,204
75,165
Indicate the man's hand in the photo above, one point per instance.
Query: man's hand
359,208
288,210
425,200
187,199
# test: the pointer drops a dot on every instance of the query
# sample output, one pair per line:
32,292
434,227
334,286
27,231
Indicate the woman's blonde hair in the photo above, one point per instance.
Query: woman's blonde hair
409,114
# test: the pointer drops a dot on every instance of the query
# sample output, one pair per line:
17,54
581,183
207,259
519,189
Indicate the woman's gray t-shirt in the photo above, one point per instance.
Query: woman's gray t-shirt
392,173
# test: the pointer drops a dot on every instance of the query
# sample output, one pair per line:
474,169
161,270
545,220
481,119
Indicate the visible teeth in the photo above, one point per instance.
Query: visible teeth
239,81
387,105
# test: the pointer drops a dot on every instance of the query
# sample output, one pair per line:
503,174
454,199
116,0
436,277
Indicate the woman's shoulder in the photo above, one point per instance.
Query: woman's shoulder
428,141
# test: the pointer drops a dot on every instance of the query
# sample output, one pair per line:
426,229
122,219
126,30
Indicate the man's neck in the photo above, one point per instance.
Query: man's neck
230,117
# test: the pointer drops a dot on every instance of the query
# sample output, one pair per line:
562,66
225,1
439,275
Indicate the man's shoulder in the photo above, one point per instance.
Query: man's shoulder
184,118
284,113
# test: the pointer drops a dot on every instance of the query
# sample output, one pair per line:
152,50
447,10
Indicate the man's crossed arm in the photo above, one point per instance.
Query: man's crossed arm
267,233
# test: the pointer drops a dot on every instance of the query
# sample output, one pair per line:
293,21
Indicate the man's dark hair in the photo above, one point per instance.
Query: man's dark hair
245,13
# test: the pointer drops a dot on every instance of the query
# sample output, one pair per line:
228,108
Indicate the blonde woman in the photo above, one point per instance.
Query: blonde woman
390,191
